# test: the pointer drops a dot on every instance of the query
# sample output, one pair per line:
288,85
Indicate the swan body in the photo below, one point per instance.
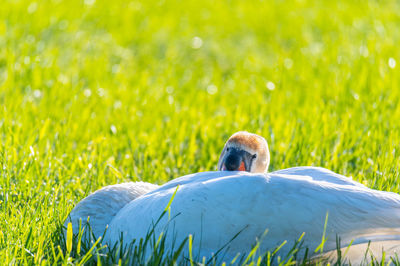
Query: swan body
216,206
101,206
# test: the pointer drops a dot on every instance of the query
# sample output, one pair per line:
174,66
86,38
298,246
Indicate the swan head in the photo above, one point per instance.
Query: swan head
245,151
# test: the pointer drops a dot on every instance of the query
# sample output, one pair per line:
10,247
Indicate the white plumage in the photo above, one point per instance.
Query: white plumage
215,206
101,206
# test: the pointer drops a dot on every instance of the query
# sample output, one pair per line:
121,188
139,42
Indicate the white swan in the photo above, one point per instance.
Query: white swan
217,205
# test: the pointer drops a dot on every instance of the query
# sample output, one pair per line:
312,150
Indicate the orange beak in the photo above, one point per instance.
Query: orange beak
242,167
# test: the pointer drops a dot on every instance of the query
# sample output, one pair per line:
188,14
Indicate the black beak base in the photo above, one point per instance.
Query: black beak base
234,158
233,161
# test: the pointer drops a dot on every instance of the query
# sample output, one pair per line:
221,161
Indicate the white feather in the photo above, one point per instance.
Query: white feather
102,205
215,206
319,174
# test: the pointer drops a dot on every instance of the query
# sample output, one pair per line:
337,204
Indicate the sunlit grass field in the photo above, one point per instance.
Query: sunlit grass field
99,92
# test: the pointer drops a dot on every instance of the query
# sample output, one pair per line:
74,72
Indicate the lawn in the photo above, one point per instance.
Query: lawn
99,92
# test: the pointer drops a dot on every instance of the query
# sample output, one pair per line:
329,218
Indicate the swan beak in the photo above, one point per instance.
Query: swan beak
237,160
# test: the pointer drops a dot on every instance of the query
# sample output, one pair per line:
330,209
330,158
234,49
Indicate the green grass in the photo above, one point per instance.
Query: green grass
100,92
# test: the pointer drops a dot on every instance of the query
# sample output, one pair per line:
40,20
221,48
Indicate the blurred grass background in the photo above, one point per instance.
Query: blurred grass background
99,92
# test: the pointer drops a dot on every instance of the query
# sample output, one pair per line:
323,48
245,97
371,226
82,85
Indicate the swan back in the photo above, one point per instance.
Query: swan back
319,174
216,206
